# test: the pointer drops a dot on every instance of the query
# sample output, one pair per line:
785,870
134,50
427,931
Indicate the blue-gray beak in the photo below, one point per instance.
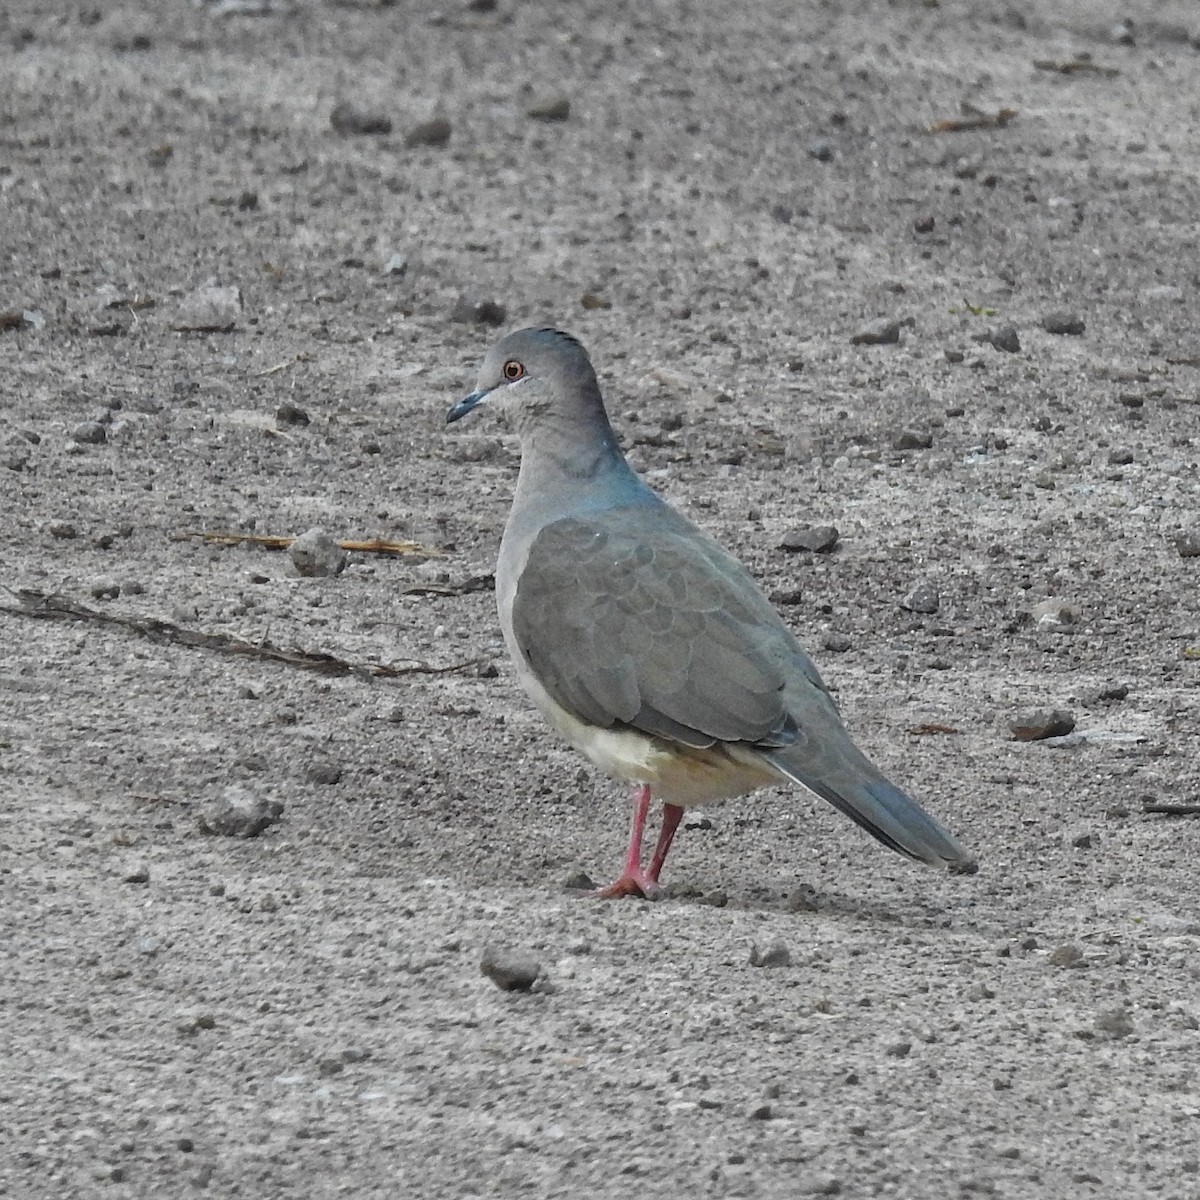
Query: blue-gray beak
464,406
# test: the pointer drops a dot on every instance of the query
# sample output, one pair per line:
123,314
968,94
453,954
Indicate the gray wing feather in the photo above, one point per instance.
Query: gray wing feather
638,619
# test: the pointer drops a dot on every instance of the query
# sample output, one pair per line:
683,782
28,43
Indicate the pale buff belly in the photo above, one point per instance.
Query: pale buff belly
676,774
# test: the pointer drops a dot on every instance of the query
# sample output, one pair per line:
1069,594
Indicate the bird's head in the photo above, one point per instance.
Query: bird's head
531,375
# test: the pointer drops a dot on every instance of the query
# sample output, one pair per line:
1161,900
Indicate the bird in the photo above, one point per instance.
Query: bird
648,646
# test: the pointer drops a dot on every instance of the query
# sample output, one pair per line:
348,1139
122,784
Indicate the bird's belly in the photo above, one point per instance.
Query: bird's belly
676,774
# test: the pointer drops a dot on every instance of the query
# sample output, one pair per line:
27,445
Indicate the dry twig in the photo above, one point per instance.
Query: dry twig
273,542
1074,66
49,606
974,119
1167,809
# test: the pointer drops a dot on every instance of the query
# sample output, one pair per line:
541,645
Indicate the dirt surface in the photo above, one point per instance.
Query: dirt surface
737,190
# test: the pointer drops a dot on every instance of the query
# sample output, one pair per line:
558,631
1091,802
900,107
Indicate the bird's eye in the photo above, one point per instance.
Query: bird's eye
512,370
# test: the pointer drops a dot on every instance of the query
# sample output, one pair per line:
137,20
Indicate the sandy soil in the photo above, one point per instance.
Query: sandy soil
738,190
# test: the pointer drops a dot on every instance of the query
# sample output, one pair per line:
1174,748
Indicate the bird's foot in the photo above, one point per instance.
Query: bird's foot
630,883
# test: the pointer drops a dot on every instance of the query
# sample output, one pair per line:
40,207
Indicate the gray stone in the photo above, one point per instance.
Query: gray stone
923,598
395,264
1041,723
912,439
239,813
1003,337
211,308
90,433
1188,543
510,971
473,311
434,132
818,539
315,554
549,108
775,954
289,413
324,773
1062,322
821,150
881,332
349,119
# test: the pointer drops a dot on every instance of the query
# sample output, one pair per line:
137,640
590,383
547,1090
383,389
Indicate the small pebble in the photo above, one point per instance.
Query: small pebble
912,439
1115,1022
289,413
776,954
1003,337
510,971
761,1112
315,554
90,433
880,332
105,589
819,539
324,773
1041,723
898,1050
139,874
1067,955
821,150
395,265
348,119
923,598
434,132
1054,613
1065,323
836,643
1121,456
239,813
579,881
1188,543
549,108
924,224
62,529
471,311
210,308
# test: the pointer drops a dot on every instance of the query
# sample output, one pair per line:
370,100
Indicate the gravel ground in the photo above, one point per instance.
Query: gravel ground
251,254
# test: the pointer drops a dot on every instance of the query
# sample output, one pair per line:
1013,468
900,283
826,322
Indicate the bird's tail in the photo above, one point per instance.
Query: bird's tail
880,807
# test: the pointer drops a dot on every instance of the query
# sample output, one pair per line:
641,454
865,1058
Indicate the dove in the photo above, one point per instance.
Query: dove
644,643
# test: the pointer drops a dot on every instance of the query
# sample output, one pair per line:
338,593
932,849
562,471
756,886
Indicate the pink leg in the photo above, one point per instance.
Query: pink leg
672,815
633,881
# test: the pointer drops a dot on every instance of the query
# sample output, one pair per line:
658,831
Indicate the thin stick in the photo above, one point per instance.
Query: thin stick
49,606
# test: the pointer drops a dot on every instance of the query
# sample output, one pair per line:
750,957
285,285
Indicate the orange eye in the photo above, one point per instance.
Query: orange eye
512,370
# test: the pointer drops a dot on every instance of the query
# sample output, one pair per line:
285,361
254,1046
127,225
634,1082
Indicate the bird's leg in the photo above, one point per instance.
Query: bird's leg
672,815
633,881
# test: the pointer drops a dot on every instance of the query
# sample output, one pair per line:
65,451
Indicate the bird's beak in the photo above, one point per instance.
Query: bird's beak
465,405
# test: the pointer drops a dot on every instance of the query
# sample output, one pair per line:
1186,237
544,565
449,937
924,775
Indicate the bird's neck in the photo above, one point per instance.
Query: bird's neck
582,461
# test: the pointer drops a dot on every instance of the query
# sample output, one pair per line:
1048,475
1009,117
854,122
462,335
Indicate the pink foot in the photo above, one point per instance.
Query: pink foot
633,881
629,883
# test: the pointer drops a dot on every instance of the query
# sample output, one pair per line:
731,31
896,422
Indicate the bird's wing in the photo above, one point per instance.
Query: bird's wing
636,618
